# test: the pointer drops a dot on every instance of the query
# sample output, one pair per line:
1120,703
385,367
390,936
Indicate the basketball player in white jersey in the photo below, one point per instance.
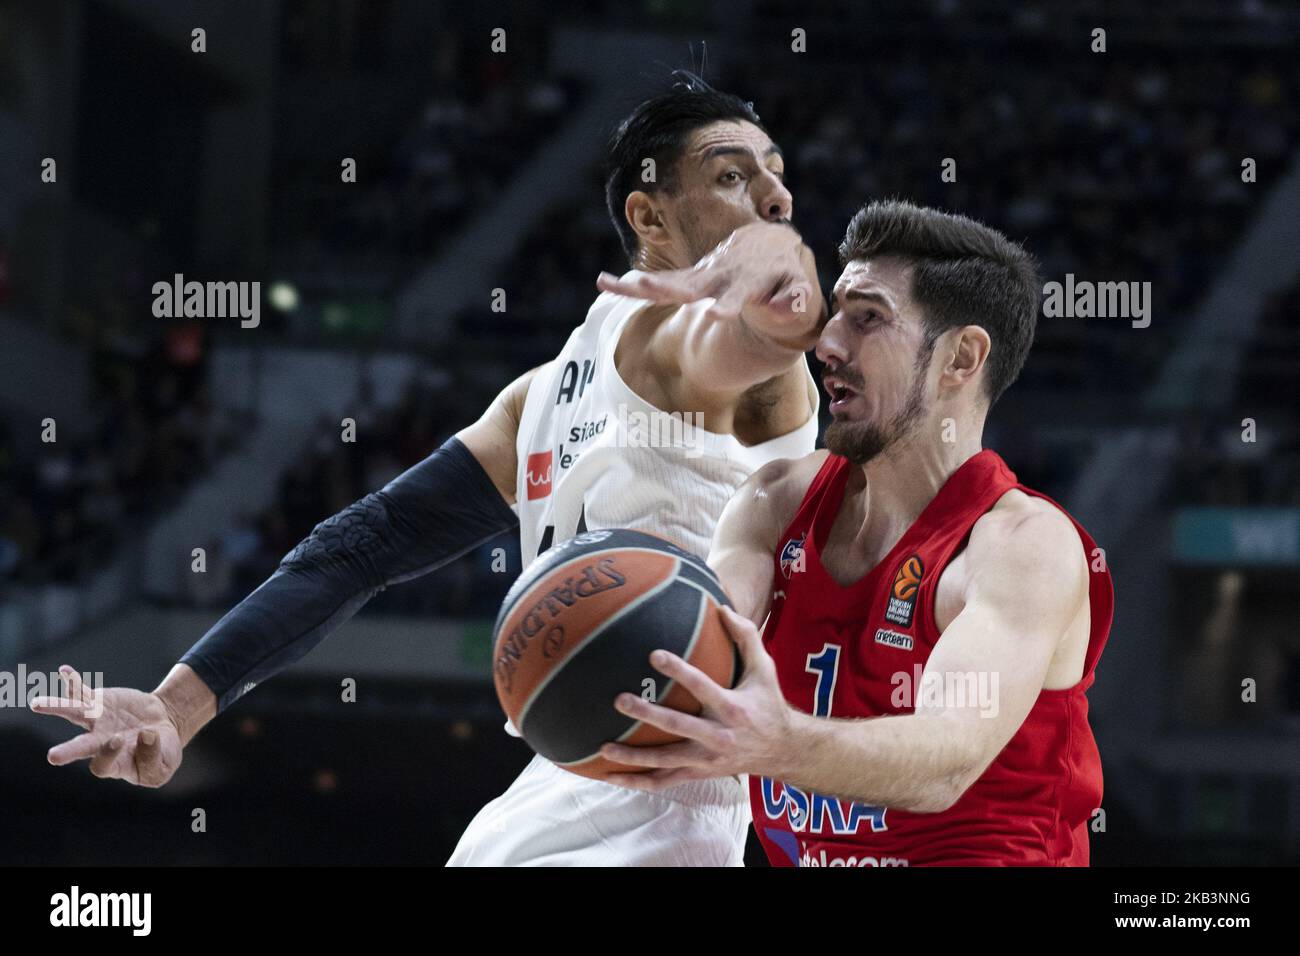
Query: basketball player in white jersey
650,418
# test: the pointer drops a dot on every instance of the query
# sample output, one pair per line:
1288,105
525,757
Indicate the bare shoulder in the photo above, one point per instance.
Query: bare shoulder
1031,537
779,486
1017,512
516,393
751,523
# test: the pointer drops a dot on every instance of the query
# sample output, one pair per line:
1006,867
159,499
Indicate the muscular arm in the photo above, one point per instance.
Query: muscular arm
448,504
491,439
1027,581
749,530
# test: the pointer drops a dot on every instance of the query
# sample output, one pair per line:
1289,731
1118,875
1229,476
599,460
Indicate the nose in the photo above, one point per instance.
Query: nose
832,347
776,202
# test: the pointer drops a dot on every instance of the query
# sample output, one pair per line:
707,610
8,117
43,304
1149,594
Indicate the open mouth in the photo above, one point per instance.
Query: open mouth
839,393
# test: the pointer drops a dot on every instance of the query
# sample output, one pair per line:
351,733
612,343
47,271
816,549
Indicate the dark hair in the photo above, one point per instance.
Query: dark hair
658,129
963,273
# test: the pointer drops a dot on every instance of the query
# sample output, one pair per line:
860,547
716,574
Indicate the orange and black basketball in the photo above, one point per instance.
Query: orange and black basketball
577,629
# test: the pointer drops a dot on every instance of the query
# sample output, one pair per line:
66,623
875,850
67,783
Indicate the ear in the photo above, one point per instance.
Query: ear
967,350
645,217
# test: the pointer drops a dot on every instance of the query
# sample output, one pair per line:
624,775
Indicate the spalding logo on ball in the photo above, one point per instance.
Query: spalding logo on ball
577,629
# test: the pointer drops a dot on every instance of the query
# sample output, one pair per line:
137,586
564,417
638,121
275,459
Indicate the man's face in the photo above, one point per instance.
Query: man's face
877,361
731,174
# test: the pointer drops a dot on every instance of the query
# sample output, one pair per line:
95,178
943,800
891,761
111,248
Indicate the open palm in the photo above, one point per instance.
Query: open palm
129,735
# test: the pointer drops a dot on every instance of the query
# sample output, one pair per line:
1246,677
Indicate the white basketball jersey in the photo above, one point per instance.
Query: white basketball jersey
594,454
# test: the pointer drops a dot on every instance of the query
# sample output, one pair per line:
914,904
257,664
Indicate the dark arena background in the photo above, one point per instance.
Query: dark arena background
1164,149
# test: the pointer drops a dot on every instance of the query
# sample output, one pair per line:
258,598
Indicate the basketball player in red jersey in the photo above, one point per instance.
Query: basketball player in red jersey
917,696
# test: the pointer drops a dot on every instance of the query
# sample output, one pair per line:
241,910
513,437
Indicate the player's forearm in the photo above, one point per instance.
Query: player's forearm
917,762
295,609
429,515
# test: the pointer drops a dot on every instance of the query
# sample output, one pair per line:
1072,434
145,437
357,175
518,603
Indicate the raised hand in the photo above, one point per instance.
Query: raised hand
129,734
763,270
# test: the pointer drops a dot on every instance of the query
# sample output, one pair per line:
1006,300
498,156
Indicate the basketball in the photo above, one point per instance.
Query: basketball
577,629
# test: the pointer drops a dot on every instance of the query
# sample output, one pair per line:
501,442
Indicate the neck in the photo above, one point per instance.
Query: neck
894,488
657,260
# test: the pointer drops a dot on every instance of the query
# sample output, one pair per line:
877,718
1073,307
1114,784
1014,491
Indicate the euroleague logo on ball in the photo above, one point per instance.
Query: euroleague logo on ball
902,596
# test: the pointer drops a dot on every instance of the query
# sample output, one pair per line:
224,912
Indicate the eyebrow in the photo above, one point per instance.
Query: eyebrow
860,294
714,151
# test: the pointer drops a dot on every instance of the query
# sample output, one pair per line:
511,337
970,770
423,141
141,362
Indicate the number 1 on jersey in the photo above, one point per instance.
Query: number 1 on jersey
826,665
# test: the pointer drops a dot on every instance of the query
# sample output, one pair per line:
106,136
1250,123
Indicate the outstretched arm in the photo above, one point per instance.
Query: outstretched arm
767,310
431,514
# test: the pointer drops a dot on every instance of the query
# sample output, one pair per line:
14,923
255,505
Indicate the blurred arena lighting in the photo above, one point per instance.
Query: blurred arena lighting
283,296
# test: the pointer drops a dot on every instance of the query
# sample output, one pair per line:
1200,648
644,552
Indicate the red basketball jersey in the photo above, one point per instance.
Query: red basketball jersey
859,651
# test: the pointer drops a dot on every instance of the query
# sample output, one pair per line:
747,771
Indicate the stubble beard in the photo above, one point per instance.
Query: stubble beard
860,442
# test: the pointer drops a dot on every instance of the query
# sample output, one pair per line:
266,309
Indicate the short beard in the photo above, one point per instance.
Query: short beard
860,442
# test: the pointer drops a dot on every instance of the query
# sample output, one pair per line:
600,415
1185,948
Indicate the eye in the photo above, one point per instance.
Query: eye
731,178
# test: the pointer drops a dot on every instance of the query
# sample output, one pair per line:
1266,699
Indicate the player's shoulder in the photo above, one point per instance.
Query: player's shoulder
782,482
785,473
515,395
1029,533
1017,510
769,499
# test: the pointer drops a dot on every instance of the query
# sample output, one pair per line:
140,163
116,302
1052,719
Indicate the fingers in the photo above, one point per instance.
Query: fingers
148,759
786,296
104,754
702,687
732,300
676,287
72,683
665,718
685,753
793,300
75,711
745,635
101,765
78,748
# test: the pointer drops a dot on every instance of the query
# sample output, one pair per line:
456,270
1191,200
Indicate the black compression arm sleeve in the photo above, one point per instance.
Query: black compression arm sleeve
429,515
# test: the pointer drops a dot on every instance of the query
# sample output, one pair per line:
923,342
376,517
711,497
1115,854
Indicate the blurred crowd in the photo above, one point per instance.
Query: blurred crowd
1253,458
484,117
150,430
1127,173
1132,173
